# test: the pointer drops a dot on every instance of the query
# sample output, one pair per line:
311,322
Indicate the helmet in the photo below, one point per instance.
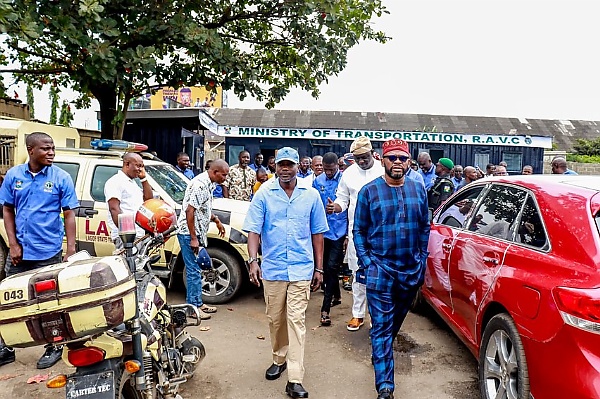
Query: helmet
155,216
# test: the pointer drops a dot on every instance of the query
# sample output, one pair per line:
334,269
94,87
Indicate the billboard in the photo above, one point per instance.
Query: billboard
194,96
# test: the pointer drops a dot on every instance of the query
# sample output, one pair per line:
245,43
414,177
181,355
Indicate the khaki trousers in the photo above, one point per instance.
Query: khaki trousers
286,311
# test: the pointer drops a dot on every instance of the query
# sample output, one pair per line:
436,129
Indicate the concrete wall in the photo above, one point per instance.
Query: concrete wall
14,109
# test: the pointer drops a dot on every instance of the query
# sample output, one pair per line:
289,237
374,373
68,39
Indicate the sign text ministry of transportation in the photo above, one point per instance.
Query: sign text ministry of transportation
419,137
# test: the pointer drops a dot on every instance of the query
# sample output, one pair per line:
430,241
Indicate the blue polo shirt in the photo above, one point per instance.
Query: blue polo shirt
38,202
428,177
286,225
338,222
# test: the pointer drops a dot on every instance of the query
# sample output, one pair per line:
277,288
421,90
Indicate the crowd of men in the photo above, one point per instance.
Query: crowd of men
309,217
367,222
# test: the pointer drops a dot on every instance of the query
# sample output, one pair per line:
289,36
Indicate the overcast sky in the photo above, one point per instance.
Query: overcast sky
512,58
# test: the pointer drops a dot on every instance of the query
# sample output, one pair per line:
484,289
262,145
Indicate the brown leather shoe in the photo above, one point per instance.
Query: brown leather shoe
355,323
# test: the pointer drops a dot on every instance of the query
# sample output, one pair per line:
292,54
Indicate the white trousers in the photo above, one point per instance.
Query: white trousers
359,291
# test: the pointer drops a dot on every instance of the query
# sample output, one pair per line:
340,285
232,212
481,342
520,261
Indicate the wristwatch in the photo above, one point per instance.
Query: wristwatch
251,259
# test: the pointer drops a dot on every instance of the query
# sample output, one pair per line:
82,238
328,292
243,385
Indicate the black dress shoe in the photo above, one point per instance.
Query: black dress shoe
50,356
275,371
295,390
7,355
385,393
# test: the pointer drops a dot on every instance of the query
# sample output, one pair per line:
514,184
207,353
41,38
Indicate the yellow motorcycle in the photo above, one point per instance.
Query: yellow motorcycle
112,317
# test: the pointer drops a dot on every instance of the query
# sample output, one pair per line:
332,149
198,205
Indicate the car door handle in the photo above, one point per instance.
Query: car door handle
488,259
90,212
447,246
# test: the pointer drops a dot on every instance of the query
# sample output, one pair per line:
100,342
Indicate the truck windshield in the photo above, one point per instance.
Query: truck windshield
167,177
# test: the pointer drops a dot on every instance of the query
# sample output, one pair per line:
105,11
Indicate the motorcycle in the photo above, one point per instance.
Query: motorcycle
146,357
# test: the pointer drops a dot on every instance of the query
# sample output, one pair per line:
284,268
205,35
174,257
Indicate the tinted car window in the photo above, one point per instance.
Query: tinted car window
101,175
531,229
456,212
71,168
498,211
169,179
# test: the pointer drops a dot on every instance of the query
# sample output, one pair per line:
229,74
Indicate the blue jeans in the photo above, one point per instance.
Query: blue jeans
193,294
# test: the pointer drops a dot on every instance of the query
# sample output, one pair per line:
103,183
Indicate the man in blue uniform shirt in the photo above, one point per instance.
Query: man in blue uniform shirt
426,169
333,255
183,165
391,231
34,195
288,219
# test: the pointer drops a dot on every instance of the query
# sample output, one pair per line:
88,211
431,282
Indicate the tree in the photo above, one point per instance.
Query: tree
30,101
587,147
53,105
66,116
115,50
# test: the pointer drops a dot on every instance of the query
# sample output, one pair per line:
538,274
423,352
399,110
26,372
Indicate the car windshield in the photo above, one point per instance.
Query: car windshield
167,177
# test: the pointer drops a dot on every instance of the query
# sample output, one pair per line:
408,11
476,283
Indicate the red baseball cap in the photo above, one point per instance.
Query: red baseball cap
396,145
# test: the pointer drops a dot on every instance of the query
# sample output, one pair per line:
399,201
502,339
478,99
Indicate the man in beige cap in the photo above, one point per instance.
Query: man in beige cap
362,171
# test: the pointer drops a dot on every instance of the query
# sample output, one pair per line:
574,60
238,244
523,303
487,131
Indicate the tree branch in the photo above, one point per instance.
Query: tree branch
30,52
35,71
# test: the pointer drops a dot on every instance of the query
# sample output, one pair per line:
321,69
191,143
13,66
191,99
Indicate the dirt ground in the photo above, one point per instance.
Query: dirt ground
430,361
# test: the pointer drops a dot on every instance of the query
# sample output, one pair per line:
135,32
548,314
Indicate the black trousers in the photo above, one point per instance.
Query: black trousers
333,255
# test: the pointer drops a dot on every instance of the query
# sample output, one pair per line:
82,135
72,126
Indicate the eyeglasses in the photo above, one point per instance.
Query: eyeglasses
394,158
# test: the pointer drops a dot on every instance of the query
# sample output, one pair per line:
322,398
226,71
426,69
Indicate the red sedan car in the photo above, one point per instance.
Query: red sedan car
513,269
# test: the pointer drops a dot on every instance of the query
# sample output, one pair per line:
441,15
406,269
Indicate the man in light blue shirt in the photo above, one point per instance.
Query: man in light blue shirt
288,219
426,169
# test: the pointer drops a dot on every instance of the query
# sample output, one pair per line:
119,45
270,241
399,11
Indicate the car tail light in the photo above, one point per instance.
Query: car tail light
85,356
579,307
45,285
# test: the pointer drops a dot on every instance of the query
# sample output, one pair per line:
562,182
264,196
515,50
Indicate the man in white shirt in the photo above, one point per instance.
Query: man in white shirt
123,195
362,171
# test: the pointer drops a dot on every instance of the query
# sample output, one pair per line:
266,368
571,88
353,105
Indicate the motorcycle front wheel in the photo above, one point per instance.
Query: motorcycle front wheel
192,347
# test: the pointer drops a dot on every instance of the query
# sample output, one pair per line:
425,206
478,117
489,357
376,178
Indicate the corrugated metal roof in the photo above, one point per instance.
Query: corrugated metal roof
564,133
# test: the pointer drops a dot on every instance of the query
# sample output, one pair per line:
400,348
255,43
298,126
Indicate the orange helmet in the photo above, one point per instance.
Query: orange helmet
155,216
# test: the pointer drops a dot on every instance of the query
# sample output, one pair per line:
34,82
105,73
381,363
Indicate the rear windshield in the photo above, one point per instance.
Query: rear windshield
169,179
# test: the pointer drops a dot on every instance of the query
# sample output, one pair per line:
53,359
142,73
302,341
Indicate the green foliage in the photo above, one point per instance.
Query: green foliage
114,50
30,101
587,147
66,116
53,106
583,158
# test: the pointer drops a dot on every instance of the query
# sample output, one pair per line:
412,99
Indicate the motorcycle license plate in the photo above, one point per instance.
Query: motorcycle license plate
91,386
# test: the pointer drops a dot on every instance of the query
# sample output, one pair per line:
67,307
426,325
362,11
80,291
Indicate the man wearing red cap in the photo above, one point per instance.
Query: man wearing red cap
391,232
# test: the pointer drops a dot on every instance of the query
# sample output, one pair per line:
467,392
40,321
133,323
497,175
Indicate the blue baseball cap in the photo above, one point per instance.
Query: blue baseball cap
287,154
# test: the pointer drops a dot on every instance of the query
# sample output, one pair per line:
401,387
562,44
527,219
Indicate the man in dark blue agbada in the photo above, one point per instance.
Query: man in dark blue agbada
391,231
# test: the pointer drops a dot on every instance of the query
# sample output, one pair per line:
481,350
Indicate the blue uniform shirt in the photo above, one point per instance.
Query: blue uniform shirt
415,175
428,177
338,222
303,175
38,202
187,172
286,225
391,232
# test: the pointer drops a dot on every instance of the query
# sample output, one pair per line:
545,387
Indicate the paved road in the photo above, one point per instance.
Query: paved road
430,361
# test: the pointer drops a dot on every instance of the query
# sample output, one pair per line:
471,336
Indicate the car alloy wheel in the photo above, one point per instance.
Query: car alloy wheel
503,370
